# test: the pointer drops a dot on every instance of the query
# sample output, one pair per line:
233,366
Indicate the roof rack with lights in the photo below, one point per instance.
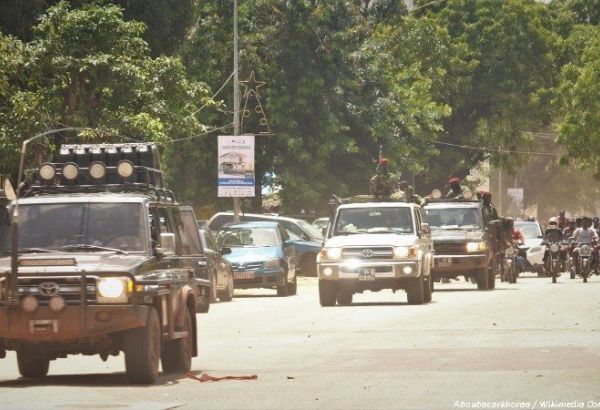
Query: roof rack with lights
131,167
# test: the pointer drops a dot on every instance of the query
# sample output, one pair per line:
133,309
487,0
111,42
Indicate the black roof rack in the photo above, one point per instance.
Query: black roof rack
94,168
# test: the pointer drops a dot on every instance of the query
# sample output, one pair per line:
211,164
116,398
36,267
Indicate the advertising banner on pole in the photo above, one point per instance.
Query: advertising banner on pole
236,166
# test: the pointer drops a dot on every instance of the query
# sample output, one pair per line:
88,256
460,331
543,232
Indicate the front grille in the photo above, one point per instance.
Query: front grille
68,287
450,248
246,266
368,253
378,269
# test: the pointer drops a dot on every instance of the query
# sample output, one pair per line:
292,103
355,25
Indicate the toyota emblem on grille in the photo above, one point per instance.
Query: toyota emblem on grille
48,288
367,253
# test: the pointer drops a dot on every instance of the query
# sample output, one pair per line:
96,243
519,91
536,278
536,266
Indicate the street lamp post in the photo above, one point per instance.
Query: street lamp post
236,96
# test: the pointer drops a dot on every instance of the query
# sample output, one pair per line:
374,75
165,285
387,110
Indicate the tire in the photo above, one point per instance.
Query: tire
32,365
142,347
308,265
293,286
491,280
483,280
327,292
512,274
428,285
344,298
415,291
553,278
213,288
177,354
204,305
227,294
572,273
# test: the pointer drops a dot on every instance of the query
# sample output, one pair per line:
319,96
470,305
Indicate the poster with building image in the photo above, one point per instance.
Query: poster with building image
236,166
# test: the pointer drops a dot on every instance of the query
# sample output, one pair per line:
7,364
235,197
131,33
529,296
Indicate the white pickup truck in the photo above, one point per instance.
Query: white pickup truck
374,246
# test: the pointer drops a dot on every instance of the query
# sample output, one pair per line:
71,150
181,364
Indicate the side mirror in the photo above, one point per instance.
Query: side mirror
167,244
225,251
425,229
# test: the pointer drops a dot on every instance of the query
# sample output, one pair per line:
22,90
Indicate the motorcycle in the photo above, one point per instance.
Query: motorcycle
584,261
509,266
553,260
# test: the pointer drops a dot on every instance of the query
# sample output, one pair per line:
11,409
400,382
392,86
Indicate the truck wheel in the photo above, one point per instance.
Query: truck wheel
32,365
483,282
327,292
308,265
344,297
142,351
227,294
428,288
491,279
177,354
293,286
415,292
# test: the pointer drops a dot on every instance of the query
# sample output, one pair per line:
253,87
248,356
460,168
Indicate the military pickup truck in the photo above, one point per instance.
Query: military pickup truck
374,246
106,261
462,246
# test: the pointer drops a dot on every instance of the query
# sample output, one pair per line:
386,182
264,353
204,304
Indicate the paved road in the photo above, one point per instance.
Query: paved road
533,341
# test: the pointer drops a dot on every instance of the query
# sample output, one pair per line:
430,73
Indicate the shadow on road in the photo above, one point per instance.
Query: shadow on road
471,290
253,296
90,380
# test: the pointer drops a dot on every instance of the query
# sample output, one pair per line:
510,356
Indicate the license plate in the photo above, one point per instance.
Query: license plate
243,275
444,261
367,274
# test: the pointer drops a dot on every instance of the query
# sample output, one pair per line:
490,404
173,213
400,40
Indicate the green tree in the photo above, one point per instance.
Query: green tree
88,67
502,52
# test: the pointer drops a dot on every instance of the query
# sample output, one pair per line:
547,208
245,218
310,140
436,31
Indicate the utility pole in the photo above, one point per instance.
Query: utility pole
236,97
500,182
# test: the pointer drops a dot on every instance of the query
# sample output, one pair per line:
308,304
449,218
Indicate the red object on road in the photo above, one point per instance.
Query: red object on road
207,378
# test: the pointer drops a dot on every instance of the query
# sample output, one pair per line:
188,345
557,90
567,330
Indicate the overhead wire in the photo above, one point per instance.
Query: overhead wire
224,127
500,151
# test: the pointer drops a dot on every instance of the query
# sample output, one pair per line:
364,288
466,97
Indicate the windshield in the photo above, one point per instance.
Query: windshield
120,226
312,231
453,218
373,220
529,231
247,237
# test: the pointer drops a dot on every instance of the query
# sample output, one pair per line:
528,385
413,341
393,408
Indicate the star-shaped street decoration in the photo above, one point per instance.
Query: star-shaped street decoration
251,86
252,96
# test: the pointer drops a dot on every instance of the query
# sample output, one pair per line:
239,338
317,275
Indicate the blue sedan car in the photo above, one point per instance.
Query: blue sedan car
306,238
261,254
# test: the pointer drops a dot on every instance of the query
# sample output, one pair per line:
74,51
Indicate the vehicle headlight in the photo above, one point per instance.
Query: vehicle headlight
272,263
114,290
585,250
401,252
331,253
510,251
554,247
476,246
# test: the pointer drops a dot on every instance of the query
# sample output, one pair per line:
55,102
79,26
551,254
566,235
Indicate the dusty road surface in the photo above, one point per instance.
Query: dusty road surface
531,344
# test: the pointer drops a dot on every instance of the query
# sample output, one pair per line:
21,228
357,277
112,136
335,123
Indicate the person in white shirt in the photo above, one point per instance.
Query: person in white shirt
585,235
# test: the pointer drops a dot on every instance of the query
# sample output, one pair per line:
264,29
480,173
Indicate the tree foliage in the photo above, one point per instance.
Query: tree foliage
343,77
87,67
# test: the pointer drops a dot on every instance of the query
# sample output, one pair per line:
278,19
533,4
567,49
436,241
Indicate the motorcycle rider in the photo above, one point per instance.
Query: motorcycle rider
586,235
554,234
489,211
518,239
568,231
563,221
596,223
